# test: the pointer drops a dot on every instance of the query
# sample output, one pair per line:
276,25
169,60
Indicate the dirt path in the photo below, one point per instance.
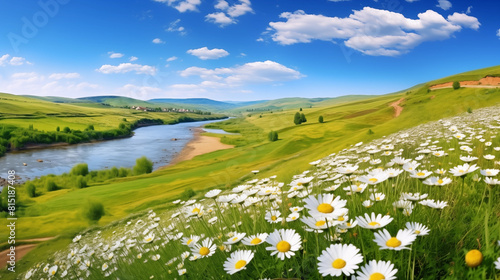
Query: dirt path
22,250
397,109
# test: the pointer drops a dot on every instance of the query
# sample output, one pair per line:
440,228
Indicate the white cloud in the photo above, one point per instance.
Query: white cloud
172,58
370,31
158,41
469,10
444,4
6,59
115,55
182,5
174,27
59,76
228,13
127,67
249,73
411,1
134,91
204,53
498,33
133,58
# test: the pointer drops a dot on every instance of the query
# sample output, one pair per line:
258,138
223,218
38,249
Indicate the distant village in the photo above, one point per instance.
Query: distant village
173,110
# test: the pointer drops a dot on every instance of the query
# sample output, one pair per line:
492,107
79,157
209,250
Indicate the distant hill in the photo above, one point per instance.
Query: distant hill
205,103
57,99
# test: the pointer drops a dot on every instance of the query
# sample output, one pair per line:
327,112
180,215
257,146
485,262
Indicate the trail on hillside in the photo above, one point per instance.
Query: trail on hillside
22,250
397,109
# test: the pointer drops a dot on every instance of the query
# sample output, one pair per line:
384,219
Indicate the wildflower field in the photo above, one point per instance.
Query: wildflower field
419,204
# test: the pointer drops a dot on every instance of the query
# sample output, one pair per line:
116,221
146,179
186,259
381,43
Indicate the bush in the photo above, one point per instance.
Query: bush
370,132
80,182
30,189
320,119
303,118
296,119
469,110
273,136
50,185
456,85
143,166
93,211
187,194
80,169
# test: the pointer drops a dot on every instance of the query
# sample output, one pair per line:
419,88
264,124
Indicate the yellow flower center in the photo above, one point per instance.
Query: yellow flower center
488,172
325,208
393,242
338,263
299,184
195,210
341,219
293,218
149,239
268,191
283,246
461,171
410,168
53,272
359,189
189,241
417,231
473,258
320,223
348,224
373,180
378,197
440,181
376,276
236,238
374,224
204,251
273,218
256,241
420,174
239,264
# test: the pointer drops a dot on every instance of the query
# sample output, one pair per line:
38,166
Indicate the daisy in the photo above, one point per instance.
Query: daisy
104,266
273,216
438,153
53,270
377,270
213,193
489,172
367,203
325,205
413,196
205,249
489,157
347,169
195,209
434,204
238,261
417,228
411,166
284,242
296,209
339,259
393,172
374,178
349,224
373,222
468,158
149,238
462,170
490,181
292,217
436,181
497,264
377,196
236,238
404,238
318,224
420,174
255,239
440,171
191,240
357,188
182,271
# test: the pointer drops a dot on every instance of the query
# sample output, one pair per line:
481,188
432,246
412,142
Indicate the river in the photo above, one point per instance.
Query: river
154,142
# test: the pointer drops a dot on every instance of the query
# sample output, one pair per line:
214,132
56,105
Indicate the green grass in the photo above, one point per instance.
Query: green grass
474,75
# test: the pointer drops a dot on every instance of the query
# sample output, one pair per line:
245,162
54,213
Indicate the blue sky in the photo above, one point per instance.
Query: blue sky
240,49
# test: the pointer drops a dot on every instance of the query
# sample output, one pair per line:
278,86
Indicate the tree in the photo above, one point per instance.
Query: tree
297,119
80,169
58,129
303,118
50,185
456,85
370,132
273,136
143,166
320,119
81,183
93,211
66,130
301,109
90,127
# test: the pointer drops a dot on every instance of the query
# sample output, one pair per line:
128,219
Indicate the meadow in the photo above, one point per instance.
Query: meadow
346,122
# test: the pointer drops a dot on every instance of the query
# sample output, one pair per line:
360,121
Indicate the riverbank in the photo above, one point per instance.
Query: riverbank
199,145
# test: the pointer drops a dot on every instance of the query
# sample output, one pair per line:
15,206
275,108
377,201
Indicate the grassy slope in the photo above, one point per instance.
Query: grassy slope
346,124
474,75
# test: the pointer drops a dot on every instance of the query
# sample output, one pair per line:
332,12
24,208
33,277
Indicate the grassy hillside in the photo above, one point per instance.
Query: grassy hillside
345,123
474,75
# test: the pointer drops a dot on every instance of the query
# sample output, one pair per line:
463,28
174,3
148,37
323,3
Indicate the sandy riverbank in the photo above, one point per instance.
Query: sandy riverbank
199,145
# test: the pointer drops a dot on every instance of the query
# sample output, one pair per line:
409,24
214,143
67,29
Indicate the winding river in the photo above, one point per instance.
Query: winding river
155,142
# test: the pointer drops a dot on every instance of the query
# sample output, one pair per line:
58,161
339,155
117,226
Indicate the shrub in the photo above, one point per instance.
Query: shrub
187,194
370,132
303,118
320,119
30,189
296,118
80,169
469,110
93,211
143,166
50,185
456,85
273,136
80,182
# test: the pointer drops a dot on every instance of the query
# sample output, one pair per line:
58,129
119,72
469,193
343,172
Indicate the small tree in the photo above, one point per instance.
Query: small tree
93,211
80,169
90,127
66,129
30,189
370,132
456,85
469,110
50,185
143,166
303,118
320,119
297,119
80,182
301,109
273,136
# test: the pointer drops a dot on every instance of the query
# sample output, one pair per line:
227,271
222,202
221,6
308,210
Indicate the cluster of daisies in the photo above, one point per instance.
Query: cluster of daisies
342,195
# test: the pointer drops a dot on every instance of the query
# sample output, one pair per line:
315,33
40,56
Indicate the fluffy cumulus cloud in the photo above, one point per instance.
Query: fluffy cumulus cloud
7,59
158,41
227,13
498,33
182,5
127,67
205,53
370,31
249,73
444,4
60,76
115,55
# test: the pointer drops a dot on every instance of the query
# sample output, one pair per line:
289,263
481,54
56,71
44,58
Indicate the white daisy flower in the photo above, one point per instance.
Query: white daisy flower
373,221
497,264
235,238
377,270
191,240
238,261
255,239
284,242
213,193
489,172
436,181
420,174
417,228
205,249
53,270
462,170
377,196
339,259
292,217
325,205
403,238
273,216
